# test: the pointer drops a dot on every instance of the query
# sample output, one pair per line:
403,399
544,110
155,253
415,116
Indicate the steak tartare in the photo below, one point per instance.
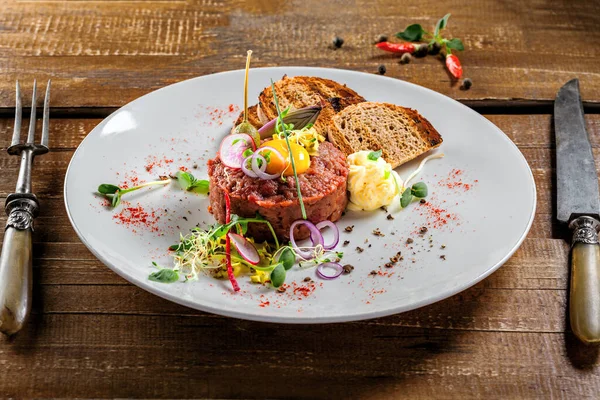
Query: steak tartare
323,188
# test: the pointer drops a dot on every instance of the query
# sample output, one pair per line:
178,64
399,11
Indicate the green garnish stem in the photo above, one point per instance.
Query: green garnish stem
287,141
161,182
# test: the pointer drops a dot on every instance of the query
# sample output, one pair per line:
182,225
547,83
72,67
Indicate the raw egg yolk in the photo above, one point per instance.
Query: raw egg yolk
278,165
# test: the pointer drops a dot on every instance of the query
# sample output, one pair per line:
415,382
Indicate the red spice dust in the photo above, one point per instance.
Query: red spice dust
232,108
264,302
154,161
138,217
184,169
130,180
436,216
454,181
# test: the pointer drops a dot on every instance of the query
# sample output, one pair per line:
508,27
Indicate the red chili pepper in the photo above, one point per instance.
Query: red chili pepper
399,48
453,65
230,274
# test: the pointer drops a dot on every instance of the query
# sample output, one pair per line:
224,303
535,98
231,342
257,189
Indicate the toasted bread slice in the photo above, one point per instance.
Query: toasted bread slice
305,91
252,117
400,133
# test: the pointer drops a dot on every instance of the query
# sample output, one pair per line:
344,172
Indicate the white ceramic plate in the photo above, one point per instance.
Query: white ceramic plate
481,204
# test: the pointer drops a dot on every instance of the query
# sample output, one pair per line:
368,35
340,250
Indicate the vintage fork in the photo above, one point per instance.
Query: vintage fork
21,208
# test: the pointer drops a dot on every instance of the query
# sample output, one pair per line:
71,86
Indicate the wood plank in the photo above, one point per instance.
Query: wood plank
191,356
100,55
526,131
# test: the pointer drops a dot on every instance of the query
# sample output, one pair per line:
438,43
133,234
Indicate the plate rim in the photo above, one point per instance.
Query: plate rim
299,319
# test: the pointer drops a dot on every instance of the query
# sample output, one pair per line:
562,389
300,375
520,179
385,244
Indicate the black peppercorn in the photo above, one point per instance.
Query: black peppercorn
466,84
421,50
406,58
434,48
381,69
338,42
381,38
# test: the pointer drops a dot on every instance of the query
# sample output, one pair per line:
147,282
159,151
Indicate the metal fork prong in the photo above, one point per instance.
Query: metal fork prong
31,134
18,116
45,128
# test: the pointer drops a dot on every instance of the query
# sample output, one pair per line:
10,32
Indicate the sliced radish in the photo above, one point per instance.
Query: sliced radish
233,147
245,248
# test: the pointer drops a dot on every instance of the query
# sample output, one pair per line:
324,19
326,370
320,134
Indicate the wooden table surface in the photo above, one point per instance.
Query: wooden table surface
92,334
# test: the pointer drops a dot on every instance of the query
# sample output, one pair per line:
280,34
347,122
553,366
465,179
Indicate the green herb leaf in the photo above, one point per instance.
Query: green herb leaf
287,258
419,190
236,140
441,24
165,275
387,174
107,188
455,44
374,155
278,276
412,33
406,198
200,186
185,179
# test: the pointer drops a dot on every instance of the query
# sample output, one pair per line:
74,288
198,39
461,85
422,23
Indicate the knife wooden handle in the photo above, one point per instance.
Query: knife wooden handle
584,306
16,266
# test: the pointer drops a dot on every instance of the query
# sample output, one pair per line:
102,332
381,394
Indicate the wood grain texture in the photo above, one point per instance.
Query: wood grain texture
93,333
106,53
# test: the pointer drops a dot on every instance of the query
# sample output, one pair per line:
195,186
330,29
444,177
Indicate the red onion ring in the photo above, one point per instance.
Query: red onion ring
260,170
315,236
336,265
245,168
336,233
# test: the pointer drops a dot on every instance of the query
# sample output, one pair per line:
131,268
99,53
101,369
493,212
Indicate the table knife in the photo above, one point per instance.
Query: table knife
578,205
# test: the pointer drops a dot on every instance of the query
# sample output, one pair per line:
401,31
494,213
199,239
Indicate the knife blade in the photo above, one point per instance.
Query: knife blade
578,203
577,180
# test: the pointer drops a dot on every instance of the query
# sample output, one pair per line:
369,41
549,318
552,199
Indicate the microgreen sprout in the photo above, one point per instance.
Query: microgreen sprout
418,190
284,128
114,192
189,183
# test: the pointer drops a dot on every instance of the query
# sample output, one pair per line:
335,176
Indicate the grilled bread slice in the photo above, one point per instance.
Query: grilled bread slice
400,133
304,91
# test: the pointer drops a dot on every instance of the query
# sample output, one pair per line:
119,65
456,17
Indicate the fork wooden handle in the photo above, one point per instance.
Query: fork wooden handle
16,263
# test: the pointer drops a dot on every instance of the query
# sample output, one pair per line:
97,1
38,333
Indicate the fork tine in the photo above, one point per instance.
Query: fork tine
46,117
31,135
18,114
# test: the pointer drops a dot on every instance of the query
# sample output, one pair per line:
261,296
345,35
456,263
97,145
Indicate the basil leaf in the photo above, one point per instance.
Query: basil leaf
419,190
412,33
441,24
200,186
278,276
406,198
455,44
287,258
374,155
107,188
164,276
